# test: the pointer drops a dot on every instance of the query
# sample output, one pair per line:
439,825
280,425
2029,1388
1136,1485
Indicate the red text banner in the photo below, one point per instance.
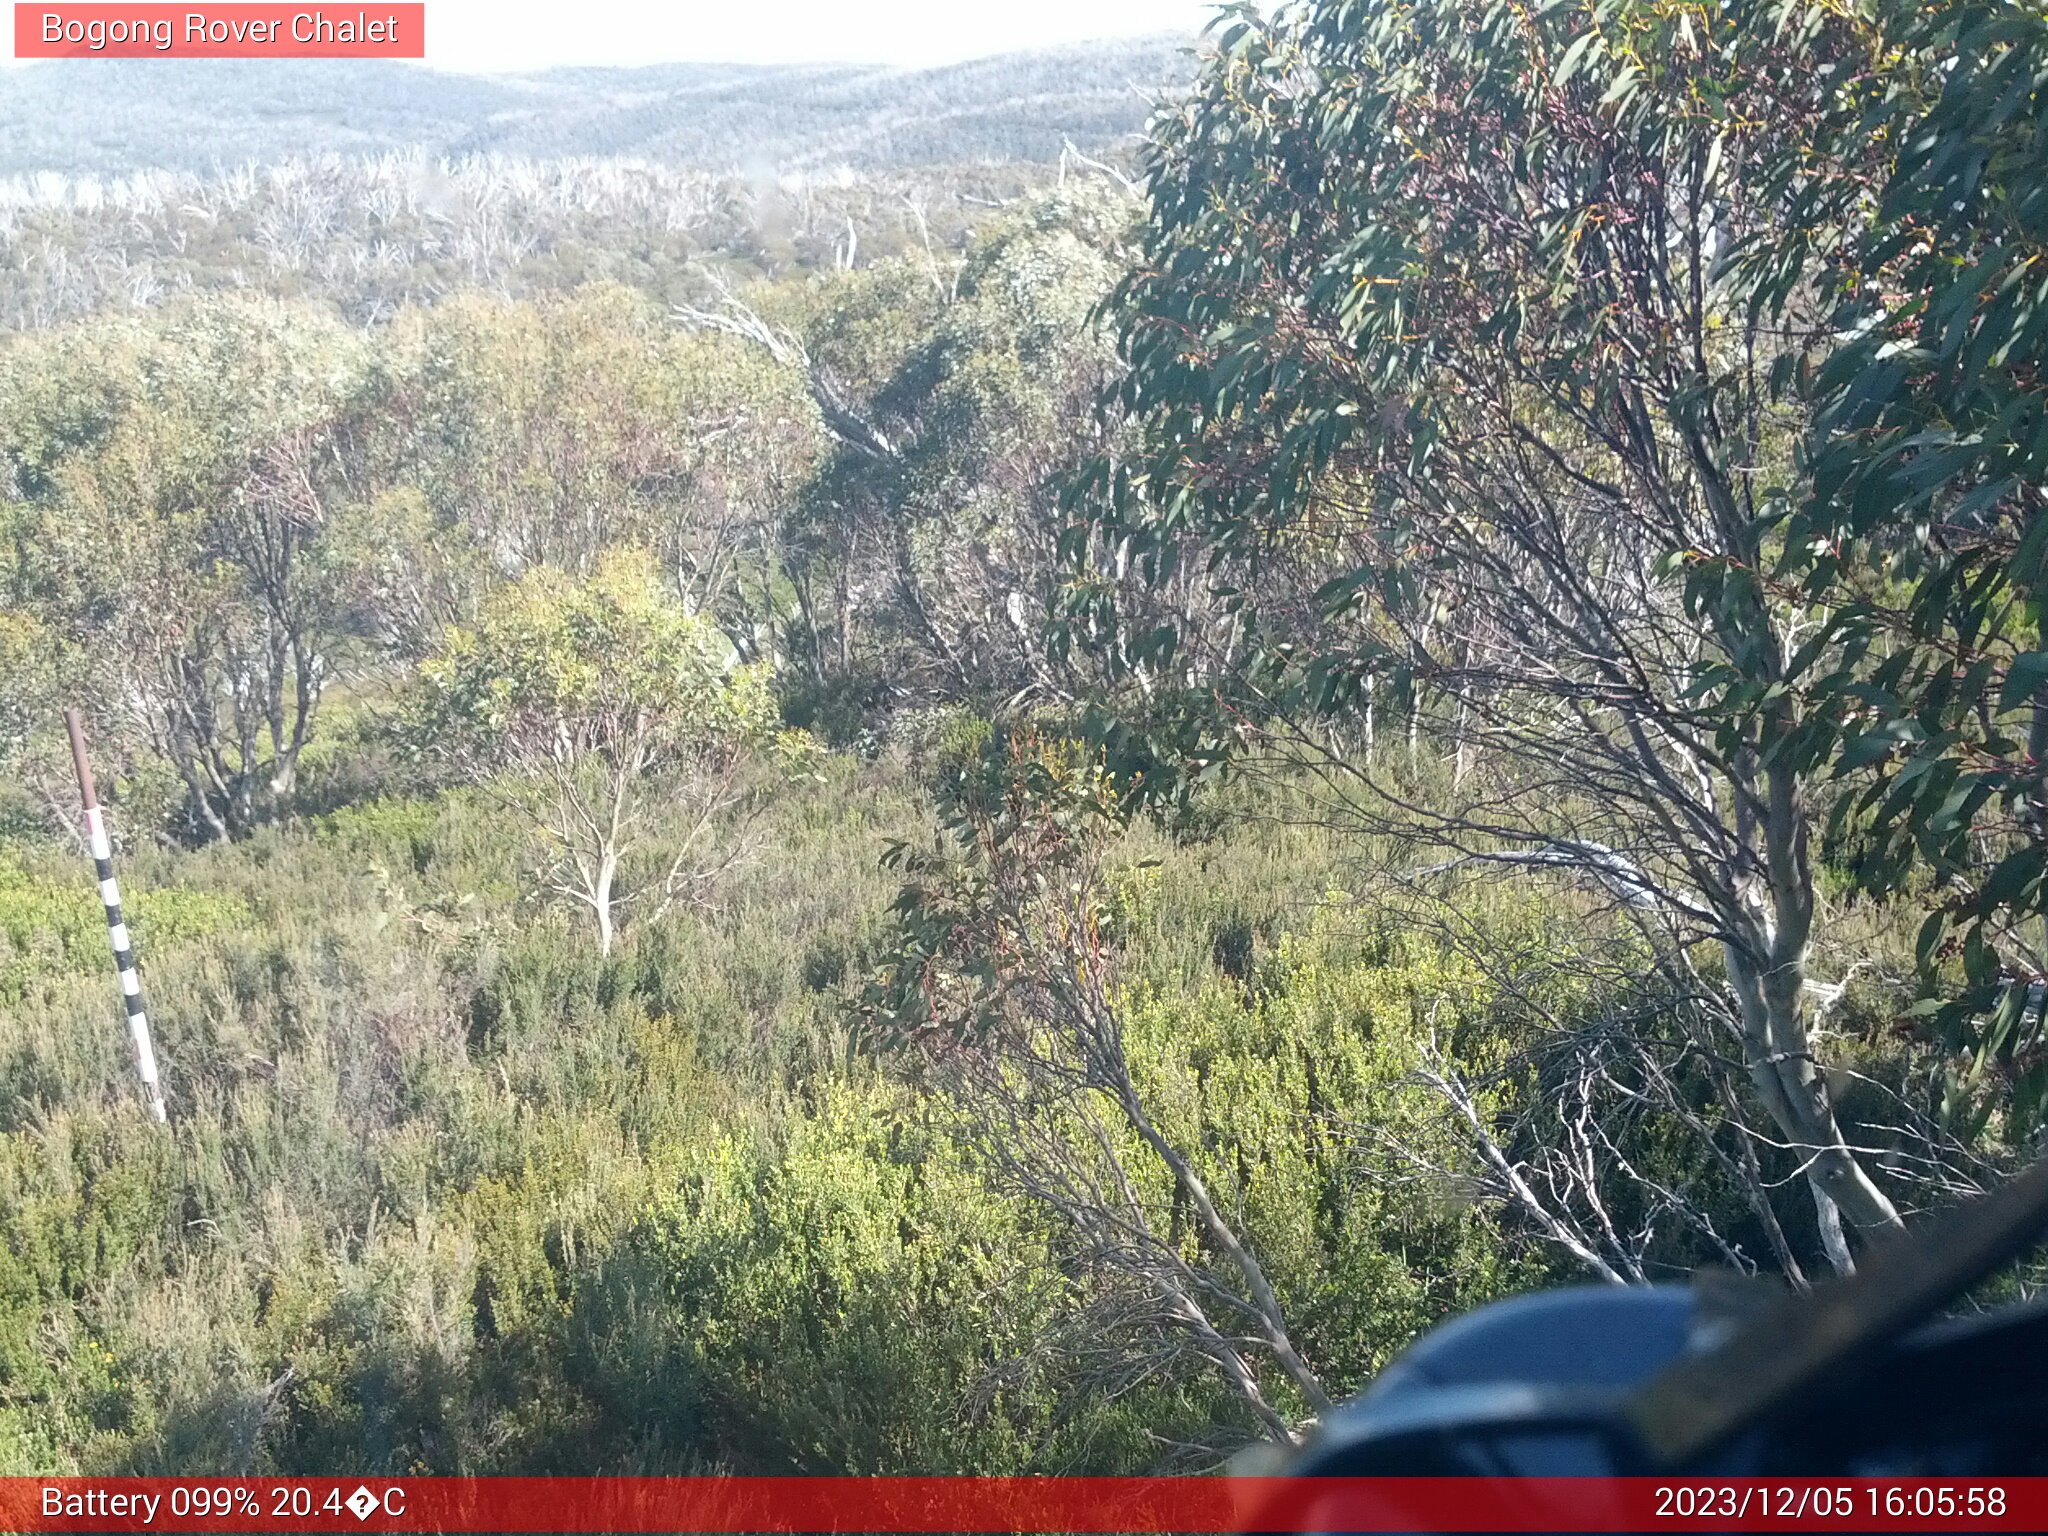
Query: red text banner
1085,1505
225,31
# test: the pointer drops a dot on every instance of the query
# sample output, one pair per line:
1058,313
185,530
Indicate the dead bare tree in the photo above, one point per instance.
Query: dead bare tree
1560,1160
733,316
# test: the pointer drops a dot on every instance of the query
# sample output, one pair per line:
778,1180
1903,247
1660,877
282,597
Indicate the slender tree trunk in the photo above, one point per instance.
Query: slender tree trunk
1768,969
1272,1321
1834,1241
1779,1059
202,809
1229,1359
601,899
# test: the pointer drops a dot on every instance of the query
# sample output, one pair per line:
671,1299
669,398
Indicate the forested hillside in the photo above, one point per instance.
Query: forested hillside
207,115
1004,819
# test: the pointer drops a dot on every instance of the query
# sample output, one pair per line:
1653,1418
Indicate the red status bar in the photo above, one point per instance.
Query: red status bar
220,31
1024,1504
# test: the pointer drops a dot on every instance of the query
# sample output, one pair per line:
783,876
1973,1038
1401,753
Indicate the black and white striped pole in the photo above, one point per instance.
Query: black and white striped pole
117,930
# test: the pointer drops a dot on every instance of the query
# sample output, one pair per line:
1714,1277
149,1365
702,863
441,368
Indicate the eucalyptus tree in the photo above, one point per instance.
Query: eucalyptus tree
1460,366
31,699
174,480
923,556
546,432
1928,461
610,719
1004,992
1001,393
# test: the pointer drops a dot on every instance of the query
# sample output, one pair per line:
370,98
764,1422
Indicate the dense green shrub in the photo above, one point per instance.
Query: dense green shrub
446,1190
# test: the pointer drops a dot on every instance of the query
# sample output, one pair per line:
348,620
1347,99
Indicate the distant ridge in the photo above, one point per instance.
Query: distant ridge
111,117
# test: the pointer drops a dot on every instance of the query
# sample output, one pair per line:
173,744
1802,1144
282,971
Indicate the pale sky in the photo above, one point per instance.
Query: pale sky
533,34
500,35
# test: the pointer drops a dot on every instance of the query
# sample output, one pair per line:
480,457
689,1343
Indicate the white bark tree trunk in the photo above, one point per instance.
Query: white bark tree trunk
601,898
